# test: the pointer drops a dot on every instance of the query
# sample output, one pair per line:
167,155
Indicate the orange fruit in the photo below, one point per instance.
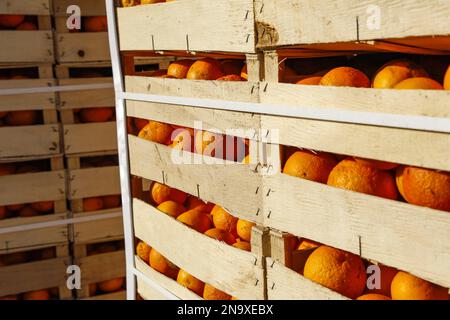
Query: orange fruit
386,276
352,175
310,81
113,201
36,295
143,251
373,296
96,24
92,204
337,270
424,187
405,286
223,220
244,73
205,69
14,258
419,83
231,77
211,293
345,77
7,169
48,253
22,118
162,265
3,213
447,79
140,123
209,144
10,20
171,208
193,202
43,206
25,26
111,285
28,211
244,229
378,164
190,282
179,69
160,193
393,72
157,132
221,235
92,289
102,114
232,67
243,245
10,297
196,219
3,113
311,166
15,207
306,244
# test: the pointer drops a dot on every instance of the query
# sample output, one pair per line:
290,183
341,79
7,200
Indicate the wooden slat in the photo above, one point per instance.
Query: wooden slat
35,101
193,25
32,187
82,47
93,182
27,7
102,267
285,284
410,238
90,137
234,186
26,46
119,295
86,98
149,293
88,7
234,271
290,22
98,231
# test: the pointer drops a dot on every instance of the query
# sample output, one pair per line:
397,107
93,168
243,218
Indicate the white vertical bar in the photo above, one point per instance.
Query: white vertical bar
123,151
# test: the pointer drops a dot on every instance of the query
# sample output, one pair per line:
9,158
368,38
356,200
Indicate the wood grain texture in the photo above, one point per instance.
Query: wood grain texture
94,182
98,231
26,46
119,295
188,25
229,269
26,7
90,137
101,267
82,47
86,98
36,101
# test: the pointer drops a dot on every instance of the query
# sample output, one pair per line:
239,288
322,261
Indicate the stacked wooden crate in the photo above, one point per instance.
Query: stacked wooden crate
33,179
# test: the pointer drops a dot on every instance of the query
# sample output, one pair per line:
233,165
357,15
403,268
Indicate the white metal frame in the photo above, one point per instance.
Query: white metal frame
309,112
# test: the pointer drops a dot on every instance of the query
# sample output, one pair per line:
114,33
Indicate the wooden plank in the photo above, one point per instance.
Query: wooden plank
33,187
410,238
232,270
234,186
286,284
102,267
32,239
98,231
82,47
94,182
90,137
149,293
35,101
119,295
88,7
226,26
32,276
86,98
241,91
26,46
26,7
290,22
37,140
403,146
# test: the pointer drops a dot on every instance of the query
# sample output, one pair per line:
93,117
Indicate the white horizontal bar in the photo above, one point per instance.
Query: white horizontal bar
78,87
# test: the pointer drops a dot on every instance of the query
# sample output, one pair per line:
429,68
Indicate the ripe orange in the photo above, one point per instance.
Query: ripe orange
424,187
306,244
337,270
243,245
447,79
3,113
345,77
10,20
43,206
15,207
205,69
373,296
102,114
244,229
10,297
143,251
419,83
48,253
223,220
113,201
160,193
171,208
355,176
157,132
92,204
7,169
140,123
231,77
393,72
3,213
377,164
28,211
232,67
111,285
36,295
13,258
162,265
211,293
311,81
193,202
190,282
96,24
25,26
311,166
386,276
405,286
22,118
221,235
179,69
196,219
244,73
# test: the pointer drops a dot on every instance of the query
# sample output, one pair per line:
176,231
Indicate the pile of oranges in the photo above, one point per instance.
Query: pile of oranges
17,22
207,218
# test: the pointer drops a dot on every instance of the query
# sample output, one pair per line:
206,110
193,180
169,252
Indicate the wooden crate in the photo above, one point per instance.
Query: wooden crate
93,182
96,268
194,25
30,45
349,24
38,275
79,46
36,140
